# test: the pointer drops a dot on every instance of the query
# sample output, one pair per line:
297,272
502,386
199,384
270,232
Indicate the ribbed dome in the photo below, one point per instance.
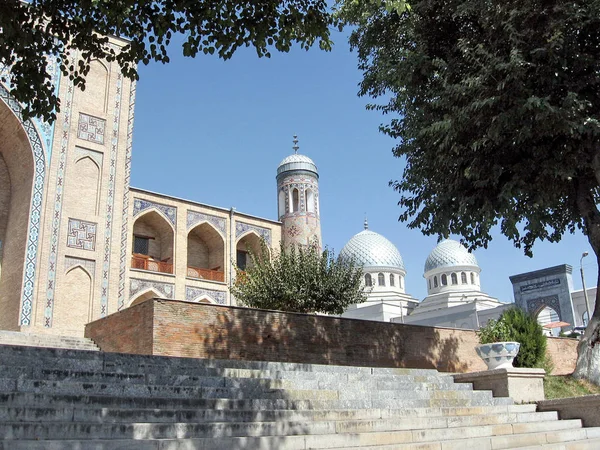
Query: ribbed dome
296,162
371,249
449,253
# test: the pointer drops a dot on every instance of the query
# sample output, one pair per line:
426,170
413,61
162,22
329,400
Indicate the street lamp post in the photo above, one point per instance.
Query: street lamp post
585,296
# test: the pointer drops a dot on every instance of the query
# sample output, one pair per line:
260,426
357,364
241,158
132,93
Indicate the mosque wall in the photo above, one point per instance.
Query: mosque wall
183,329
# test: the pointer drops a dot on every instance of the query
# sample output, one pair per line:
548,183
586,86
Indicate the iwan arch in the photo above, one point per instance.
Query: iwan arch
77,243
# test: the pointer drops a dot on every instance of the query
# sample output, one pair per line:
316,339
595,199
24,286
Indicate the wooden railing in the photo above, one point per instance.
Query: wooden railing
145,262
206,274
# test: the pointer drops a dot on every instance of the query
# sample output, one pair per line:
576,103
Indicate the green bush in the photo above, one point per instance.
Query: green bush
494,331
529,333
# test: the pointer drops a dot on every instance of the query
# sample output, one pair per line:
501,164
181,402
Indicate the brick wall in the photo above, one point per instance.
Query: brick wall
209,331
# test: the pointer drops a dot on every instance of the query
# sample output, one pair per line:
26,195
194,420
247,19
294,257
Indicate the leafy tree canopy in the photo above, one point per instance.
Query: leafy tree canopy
31,31
496,107
299,279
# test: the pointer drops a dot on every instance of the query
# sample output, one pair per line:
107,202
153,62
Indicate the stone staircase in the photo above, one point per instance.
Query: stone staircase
46,340
72,399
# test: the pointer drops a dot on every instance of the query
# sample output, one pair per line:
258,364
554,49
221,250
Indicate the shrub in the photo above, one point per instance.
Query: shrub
529,333
494,331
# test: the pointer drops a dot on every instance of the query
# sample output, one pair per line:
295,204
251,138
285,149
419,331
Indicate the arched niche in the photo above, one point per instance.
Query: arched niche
153,243
206,253
249,243
74,301
143,296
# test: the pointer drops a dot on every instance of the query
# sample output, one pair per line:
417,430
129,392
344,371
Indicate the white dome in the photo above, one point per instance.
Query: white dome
449,253
296,162
372,250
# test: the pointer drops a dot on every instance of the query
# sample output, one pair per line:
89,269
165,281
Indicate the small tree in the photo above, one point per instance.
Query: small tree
299,279
529,333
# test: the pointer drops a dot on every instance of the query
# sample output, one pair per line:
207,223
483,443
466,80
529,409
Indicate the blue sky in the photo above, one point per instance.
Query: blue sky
215,131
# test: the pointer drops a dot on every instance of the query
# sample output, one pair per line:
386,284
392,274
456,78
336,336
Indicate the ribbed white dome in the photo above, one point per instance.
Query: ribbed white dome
449,253
297,162
372,250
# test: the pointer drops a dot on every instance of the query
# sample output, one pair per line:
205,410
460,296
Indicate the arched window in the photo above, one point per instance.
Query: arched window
429,283
472,278
454,278
381,279
444,280
281,203
463,278
401,281
368,280
295,200
309,200
392,281
435,283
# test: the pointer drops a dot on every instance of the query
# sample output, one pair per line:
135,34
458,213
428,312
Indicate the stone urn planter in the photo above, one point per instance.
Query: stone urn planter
498,355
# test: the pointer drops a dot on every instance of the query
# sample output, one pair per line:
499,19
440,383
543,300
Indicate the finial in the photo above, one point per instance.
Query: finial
366,222
295,147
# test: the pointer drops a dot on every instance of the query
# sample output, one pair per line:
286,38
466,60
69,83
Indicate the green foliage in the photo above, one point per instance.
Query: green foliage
495,106
494,331
525,329
32,30
567,386
299,279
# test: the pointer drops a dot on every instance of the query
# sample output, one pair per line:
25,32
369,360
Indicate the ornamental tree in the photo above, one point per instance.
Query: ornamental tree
495,107
30,31
299,279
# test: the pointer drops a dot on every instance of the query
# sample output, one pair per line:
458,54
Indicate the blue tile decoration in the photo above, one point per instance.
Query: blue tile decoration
35,210
449,253
194,218
194,294
125,214
140,205
137,286
87,264
372,250
82,234
535,305
242,228
91,128
110,200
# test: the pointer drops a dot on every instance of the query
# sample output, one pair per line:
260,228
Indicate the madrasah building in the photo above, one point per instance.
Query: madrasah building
77,243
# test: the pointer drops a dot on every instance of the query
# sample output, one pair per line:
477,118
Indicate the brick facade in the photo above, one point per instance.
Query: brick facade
176,328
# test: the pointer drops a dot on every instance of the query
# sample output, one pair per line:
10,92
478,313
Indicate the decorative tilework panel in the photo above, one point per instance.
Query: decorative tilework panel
136,286
82,234
91,128
35,209
125,214
242,227
110,198
536,304
87,264
194,218
140,205
95,156
194,294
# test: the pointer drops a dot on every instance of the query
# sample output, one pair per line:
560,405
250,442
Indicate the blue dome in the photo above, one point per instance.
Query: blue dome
449,253
372,250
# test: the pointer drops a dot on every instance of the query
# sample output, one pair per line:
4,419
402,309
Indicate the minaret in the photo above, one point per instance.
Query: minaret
298,199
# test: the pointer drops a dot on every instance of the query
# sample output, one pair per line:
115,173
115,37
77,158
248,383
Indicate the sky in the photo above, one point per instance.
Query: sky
214,132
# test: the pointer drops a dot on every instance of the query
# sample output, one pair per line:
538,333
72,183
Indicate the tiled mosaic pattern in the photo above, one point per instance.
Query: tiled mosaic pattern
371,249
449,253
125,215
91,128
110,200
87,264
194,294
82,234
194,218
35,209
140,205
537,304
58,199
242,228
137,286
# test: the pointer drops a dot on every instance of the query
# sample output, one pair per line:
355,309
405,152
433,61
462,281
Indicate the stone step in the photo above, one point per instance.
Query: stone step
42,340
415,430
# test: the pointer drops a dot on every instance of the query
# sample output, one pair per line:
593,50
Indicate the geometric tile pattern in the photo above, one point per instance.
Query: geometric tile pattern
194,218
449,253
110,198
140,205
91,128
370,249
58,199
82,234
537,304
242,227
87,264
46,128
136,285
35,208
125,215
193,294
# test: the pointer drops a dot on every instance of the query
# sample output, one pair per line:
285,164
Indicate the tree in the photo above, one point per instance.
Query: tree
525,329
496,107
29,32
299,279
